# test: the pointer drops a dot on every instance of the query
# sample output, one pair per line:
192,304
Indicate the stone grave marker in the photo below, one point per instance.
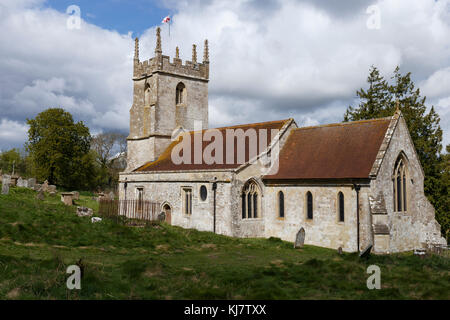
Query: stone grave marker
300,238
31,183
40,195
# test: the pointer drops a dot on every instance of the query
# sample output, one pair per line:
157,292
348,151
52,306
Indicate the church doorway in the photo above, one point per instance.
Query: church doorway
168,212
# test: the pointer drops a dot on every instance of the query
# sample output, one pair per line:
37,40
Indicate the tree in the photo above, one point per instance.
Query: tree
110,148
17,158
379,100
59,149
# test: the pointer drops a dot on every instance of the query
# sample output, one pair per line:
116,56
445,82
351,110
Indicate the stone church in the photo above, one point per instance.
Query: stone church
347,185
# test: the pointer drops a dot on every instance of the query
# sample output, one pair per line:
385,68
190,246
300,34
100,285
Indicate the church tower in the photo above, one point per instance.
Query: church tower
166,96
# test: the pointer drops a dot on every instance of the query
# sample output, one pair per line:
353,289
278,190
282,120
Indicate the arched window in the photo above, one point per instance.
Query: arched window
309,205
341,206
250,201
181,93
400,185
281,204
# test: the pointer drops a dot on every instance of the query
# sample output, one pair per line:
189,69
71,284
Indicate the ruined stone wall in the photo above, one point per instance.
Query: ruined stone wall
408,230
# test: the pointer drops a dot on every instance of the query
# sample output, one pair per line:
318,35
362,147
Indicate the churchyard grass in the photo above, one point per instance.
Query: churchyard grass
40,239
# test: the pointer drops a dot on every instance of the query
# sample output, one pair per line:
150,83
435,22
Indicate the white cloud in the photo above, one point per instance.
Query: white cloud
12,134
270,59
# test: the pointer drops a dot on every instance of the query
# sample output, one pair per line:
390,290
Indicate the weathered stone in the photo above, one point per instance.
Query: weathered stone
111,196
51,188
300,238
84,212
53,193
20,182
37,187
5,187
67,198
40,195
76,195
31,183
96,219
13,181
45,186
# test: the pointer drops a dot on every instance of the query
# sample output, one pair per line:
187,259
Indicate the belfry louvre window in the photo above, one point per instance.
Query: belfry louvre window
250,198
281,204
181,93
309,205
341,206
400,185
187,201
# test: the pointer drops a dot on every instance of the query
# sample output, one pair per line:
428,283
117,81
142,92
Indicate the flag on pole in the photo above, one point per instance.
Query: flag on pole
167,20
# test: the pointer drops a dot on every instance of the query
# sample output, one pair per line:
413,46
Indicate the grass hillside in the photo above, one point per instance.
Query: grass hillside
39,239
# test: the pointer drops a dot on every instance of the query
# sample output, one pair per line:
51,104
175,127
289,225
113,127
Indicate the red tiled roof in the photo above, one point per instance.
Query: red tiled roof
165,163
335,151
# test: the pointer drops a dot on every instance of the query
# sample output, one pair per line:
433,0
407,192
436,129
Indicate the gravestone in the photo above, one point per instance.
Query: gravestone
13,181
84,212
31,183
300,238
162,216
67,198
40,195
37,187
96,219
340,250
5,187
51,188
20,182
366,252
45,186
111,195
76,195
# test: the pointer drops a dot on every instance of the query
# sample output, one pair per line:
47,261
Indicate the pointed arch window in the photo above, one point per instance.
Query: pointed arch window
400,185
281,204
341,207
180,94
309,205
250,198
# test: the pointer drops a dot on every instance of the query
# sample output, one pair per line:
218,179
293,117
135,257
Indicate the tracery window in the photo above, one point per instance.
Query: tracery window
250,198
400,185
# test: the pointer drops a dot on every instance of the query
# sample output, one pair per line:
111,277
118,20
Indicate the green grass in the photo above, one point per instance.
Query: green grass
39,239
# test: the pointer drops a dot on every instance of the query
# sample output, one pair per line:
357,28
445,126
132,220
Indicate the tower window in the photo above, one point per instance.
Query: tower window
181,93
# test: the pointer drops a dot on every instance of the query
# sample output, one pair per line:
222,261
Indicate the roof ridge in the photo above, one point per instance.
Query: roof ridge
344,123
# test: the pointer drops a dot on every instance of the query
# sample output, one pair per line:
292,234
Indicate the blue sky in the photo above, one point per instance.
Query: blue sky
269,59
119,15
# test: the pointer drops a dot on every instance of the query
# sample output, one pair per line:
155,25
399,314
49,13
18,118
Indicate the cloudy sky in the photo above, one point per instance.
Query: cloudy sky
270,59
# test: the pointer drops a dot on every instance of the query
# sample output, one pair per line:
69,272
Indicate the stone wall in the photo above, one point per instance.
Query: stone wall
408,230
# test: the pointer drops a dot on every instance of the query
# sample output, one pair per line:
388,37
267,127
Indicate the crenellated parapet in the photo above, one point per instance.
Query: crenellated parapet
163,63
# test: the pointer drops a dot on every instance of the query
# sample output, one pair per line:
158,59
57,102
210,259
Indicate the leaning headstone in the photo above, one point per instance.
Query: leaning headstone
300,238
40,195
5,187
366,252
76,195
51,188
31,183
84,212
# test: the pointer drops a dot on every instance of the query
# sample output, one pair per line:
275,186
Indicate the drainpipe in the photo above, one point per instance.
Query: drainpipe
357,187
214,187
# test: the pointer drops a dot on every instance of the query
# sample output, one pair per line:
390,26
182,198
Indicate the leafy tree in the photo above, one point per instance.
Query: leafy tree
379,100
59,149
17,158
